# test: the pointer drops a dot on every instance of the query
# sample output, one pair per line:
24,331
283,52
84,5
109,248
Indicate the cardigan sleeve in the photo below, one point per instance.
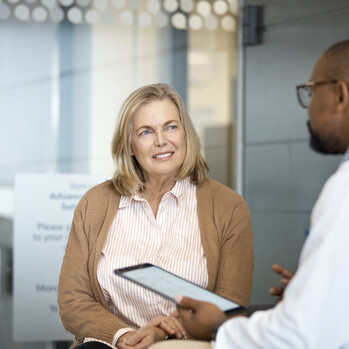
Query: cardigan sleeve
235,266
80,307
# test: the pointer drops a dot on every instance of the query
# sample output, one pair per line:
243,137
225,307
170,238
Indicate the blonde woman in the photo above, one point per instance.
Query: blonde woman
159,208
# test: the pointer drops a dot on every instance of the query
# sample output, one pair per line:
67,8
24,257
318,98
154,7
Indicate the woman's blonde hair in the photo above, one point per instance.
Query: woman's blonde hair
128,178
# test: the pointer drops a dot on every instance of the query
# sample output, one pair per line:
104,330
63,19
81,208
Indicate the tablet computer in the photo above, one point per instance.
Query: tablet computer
170,285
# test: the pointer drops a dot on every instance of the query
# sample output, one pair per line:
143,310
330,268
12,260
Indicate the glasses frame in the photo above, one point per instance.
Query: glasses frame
306,87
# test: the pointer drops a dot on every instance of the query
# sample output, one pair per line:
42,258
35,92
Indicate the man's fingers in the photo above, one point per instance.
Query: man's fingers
276,290
187,303
285,273
187,318
285,282
186,315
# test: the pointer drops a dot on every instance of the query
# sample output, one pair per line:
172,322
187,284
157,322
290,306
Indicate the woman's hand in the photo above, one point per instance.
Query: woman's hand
287,276
156,330
142,338
169,324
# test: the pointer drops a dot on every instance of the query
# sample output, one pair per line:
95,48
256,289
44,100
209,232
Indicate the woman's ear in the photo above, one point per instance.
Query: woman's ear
342,96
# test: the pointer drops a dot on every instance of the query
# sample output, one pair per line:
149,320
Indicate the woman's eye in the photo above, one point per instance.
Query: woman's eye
172,127
145,132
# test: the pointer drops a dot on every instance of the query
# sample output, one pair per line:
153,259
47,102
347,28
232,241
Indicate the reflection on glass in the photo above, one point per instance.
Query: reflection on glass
72,63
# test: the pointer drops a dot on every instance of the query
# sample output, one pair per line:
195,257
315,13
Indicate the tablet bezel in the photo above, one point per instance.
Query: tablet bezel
120,272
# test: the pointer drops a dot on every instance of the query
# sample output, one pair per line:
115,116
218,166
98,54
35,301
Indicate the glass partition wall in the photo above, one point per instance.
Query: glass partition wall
65,68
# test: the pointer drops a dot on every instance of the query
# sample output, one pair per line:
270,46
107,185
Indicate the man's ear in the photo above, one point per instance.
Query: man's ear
342,96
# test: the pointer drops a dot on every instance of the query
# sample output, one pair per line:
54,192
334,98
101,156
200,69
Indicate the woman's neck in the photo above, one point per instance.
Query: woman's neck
155,190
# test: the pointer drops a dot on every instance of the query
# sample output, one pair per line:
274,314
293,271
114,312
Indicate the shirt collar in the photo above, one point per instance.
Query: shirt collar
180,188
178,191
126,201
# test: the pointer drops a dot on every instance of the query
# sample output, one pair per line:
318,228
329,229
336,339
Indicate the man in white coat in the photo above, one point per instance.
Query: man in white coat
314,310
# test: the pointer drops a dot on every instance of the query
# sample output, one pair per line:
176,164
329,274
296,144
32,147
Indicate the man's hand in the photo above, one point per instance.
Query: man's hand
156,330
199,318
287,276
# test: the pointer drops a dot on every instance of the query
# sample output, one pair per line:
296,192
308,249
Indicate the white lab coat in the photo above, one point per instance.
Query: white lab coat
315,309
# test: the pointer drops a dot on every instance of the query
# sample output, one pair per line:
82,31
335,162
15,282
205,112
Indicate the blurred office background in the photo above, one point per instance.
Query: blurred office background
67,65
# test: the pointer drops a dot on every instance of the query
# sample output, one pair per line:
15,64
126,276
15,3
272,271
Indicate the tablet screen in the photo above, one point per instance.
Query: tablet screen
170,285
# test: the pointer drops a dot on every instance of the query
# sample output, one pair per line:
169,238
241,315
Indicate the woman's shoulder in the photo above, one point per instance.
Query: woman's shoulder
215,189
223,201
100,189
100,194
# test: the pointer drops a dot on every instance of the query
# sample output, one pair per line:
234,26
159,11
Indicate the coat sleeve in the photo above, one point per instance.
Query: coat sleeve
235,267
82,312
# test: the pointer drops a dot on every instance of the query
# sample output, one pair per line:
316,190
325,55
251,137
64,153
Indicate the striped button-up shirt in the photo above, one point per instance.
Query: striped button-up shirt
171,240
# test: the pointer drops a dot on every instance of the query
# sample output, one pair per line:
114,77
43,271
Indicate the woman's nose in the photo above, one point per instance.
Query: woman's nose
160,139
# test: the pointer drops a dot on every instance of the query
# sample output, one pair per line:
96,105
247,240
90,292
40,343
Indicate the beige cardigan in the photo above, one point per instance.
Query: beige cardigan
226,237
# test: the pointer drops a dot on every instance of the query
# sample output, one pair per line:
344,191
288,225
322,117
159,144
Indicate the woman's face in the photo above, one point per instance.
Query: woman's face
157,140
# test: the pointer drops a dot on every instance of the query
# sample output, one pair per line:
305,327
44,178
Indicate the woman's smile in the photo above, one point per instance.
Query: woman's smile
163,156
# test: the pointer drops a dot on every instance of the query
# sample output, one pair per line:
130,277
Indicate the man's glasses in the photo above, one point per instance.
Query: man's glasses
304,92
